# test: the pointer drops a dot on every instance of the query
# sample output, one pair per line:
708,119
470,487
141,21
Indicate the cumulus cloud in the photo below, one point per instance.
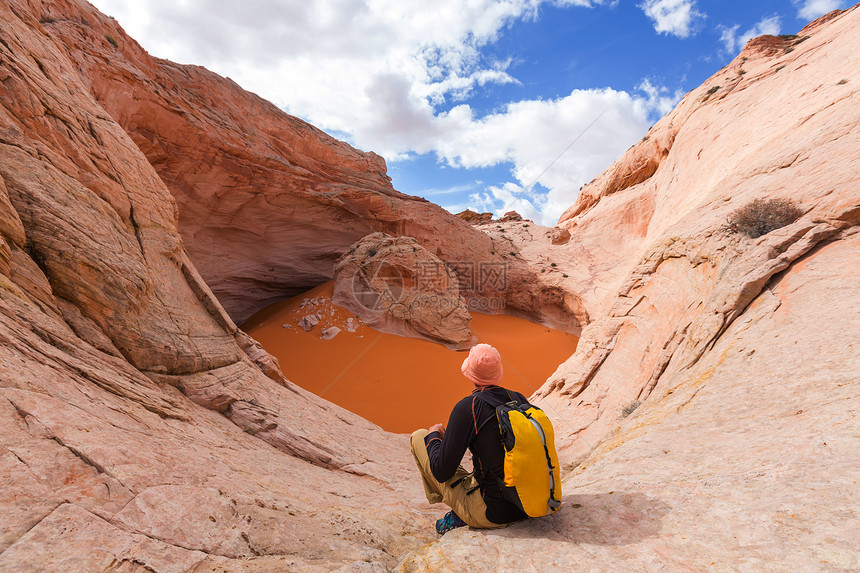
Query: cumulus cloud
733,41
676,17
333,62
554,146
812,9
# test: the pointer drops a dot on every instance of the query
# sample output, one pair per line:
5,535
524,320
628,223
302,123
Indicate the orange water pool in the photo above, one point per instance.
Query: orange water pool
399,383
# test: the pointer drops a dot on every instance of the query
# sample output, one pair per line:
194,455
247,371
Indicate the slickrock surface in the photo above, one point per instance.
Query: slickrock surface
678,287
139,429
397,286
709,418
749,462
267,203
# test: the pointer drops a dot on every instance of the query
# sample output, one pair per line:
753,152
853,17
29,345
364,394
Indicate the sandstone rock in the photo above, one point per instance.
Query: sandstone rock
560,236
132,410
474,218
120,373
329,333
394,285
309,321
670,278
511,216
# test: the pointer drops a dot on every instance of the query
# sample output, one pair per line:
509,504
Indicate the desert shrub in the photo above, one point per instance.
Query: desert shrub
761,216
112,41
713,90
630,408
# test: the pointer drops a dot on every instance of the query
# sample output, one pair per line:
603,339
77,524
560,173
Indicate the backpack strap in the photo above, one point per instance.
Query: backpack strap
494,403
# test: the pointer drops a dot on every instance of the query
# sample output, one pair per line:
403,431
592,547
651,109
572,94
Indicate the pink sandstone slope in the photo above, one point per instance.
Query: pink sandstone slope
708,420
139,429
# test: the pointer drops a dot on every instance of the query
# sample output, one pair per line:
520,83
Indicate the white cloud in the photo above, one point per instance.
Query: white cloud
453,190
373,69
734,42
554,146
812,9
677,17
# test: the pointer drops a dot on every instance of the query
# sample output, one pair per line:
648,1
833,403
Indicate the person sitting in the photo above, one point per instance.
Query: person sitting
475,498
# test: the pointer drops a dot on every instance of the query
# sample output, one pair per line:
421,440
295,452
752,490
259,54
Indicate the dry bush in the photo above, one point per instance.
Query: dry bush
762,216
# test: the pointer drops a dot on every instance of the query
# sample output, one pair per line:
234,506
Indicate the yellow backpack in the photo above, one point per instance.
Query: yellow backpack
531,462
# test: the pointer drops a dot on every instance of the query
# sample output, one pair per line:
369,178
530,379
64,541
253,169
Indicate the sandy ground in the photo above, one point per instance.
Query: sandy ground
398,383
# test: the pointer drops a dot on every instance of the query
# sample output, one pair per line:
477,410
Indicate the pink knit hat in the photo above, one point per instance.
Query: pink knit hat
483,366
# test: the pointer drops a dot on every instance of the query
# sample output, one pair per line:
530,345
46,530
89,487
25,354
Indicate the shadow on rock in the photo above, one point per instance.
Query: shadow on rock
612,518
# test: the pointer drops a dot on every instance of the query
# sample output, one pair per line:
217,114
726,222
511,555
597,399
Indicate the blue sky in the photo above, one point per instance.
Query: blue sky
486,104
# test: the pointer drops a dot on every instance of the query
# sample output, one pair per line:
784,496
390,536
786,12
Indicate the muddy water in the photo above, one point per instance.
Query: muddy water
399,383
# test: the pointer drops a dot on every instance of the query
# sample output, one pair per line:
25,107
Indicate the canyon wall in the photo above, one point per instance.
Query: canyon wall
139,428
267,203
708,420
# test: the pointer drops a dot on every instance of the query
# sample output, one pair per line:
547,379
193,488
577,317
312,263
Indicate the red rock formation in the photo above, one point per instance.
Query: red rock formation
396,286
475,218
510,216
715,390
138,426
267,203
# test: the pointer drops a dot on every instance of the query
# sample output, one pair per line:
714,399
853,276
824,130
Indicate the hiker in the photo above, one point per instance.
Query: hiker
475,498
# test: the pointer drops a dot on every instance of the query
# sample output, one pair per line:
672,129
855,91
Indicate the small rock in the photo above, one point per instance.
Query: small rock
309,321
329,333
285,325
560,236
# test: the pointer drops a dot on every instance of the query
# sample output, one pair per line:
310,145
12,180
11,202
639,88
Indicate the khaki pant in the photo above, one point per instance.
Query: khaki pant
454,493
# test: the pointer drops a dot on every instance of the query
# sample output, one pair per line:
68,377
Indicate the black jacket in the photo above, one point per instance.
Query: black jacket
473,425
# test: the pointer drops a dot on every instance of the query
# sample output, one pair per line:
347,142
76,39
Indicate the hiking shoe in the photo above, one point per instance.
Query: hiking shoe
450,521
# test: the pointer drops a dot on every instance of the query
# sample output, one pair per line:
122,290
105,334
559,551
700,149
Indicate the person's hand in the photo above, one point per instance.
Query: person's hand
438,428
